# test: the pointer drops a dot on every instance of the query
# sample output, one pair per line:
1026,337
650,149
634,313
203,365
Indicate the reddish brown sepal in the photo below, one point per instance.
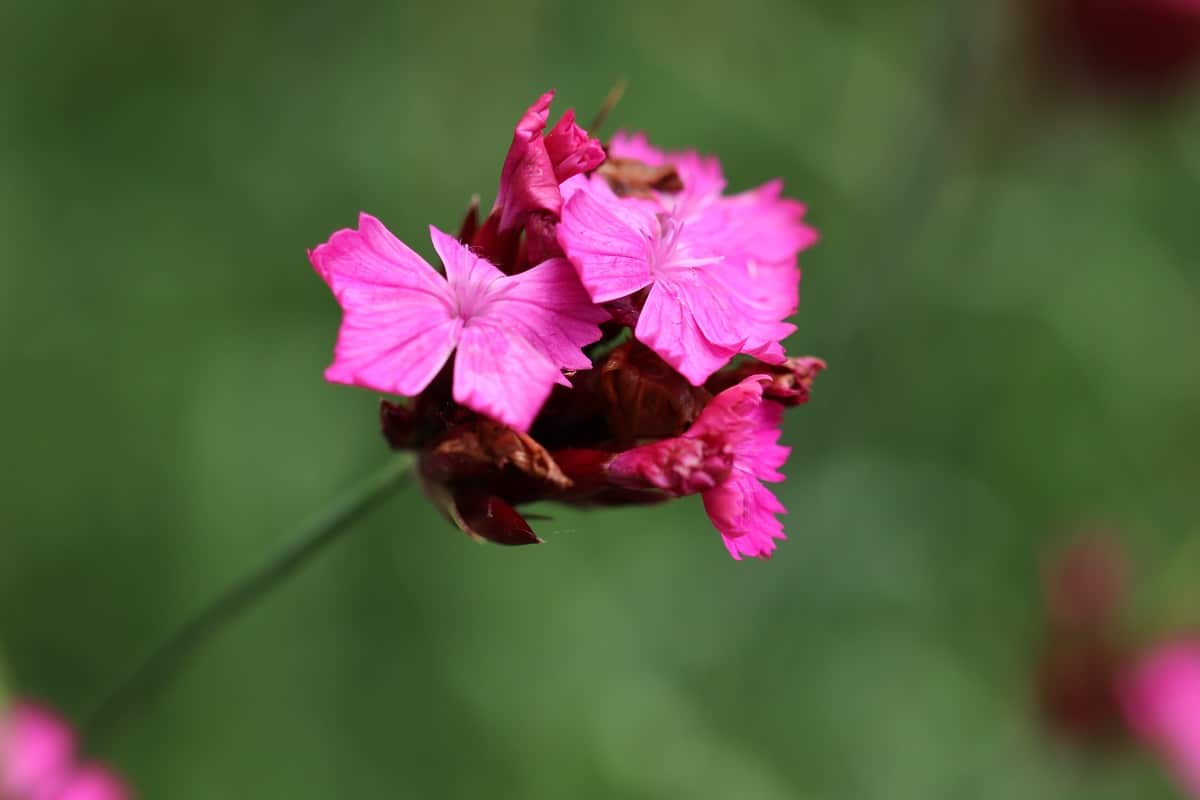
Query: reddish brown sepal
483,449
791,382
493,519
470,223
398,424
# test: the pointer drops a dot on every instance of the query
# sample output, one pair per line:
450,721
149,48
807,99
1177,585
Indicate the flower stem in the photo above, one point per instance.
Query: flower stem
610,102
309,541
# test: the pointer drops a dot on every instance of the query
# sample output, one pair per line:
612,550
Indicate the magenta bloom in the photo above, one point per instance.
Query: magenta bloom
1161,697
721,271
38,761
725,456
758,233
694,313
512,335
537,164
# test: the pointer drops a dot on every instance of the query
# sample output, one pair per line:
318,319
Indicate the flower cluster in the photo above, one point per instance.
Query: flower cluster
610,333
39,761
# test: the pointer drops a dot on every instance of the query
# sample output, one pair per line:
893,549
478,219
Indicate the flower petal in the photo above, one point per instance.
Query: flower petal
550,307
93,783
767,227
741,508
398,352
637,147
470,277
1162,701
499,373
371,261
606,240
744,511
669,326
37,751
397,330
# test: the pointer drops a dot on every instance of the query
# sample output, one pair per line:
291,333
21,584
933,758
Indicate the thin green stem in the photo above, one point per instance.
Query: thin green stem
610,102
309,541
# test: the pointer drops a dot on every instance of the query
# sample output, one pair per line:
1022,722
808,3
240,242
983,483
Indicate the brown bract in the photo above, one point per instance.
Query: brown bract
629,177
479,469
644,397
474,452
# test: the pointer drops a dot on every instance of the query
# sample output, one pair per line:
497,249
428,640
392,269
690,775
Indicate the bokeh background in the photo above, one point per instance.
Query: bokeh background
1007,291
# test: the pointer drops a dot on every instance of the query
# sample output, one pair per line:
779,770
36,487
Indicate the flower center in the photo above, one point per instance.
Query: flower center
670,251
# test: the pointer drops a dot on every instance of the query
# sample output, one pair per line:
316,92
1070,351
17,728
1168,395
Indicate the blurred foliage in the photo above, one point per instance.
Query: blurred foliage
1010,310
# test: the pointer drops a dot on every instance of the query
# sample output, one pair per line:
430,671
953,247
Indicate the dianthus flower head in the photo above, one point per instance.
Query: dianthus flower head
522,380
511,335
38,760
1161,697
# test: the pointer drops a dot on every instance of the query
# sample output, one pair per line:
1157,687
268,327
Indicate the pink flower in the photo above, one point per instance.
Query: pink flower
1161,698
728,265
759,232
731,448
695,313
536,165
512,335
38,761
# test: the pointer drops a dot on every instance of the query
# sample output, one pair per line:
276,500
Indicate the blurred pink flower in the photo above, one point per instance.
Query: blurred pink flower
725,456
1161,698
512,335
537,164
38,761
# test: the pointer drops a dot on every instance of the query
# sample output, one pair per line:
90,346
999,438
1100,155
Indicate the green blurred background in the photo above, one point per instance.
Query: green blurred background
1007,292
